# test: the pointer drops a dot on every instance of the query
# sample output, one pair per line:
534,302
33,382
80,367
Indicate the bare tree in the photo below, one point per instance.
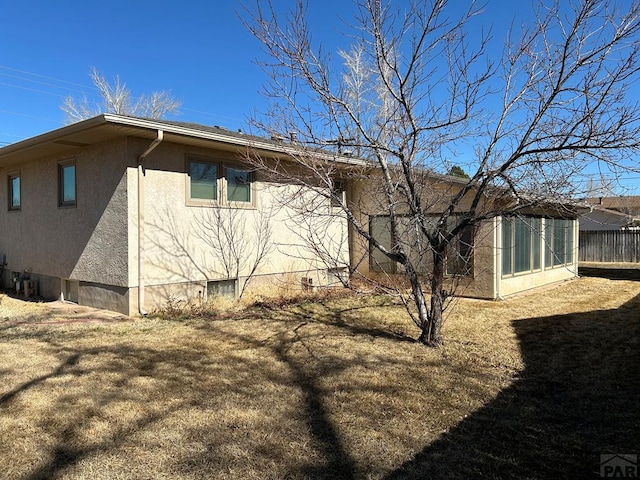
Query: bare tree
218,243
117,98
419,85
240,249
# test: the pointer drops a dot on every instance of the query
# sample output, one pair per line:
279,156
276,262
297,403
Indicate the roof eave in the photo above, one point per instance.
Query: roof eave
249,142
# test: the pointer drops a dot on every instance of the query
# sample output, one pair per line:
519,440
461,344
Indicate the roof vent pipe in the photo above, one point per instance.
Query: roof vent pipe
154,144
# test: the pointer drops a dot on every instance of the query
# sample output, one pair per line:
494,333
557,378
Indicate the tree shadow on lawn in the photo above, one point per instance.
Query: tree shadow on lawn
154,385
69,416
610,273
346,319
577,398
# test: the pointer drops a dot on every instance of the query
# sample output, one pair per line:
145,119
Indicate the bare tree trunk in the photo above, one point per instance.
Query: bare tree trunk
423,320
432,334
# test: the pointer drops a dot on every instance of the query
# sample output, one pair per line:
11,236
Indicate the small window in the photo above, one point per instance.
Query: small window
203,180
337,194
222,288
67,184
238,185
14,192
460,255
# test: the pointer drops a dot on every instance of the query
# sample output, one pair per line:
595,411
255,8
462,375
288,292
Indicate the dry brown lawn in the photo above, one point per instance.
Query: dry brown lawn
536,386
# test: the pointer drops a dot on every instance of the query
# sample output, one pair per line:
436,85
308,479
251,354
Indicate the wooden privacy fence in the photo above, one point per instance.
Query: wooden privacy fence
609,246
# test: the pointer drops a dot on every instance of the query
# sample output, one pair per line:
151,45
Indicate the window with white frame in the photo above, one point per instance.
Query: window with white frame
525,238
213,182
558,233
521,244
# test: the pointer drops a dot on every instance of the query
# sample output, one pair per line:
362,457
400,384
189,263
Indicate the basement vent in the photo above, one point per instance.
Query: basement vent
222,288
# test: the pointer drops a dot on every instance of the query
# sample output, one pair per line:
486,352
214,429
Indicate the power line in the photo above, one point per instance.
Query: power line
32,89
47,77
75,89
9,112
18,77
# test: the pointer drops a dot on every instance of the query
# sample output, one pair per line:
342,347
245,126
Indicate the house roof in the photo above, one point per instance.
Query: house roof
107,127
612,215
625,204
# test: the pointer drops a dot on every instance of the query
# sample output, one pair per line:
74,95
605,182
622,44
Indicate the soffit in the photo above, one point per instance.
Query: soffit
103,128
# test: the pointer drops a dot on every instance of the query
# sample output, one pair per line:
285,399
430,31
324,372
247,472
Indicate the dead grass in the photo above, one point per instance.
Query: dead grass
533,387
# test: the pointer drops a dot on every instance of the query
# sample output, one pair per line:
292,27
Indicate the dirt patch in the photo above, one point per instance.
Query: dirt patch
23,312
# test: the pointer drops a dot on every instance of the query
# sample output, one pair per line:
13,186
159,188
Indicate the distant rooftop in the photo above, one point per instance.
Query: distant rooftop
624,204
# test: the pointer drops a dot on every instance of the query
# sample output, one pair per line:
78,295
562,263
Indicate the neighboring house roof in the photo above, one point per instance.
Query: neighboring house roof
625,204
110,126
605,219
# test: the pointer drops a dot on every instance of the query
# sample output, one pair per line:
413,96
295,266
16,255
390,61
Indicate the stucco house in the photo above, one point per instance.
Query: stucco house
499,257
125,213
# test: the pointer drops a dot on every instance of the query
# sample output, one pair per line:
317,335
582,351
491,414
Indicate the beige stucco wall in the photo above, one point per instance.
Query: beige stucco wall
96,242
179,249
87,242
487,280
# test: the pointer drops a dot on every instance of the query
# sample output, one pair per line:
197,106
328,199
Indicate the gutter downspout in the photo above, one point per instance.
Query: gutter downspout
141,173
497,258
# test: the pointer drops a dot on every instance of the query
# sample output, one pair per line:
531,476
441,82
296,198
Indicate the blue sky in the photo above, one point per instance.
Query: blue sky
197,50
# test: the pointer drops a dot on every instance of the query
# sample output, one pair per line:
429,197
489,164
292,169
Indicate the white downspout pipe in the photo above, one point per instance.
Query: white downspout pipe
497,258
141,158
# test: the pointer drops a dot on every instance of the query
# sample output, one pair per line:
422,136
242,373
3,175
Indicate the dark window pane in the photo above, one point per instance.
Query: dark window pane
506,246
204,180
522,245
460,257
337,194
67,185
14,192
238,185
